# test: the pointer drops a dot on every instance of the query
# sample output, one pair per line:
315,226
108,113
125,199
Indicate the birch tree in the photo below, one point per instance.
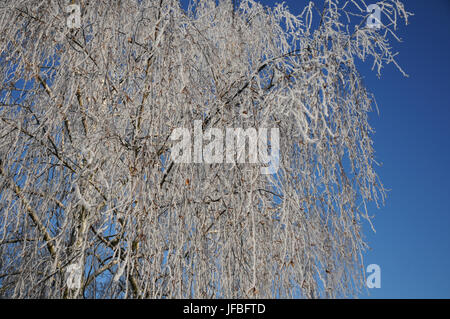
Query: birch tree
92,204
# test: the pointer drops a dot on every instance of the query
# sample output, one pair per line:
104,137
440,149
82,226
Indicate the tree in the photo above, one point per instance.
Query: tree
92,203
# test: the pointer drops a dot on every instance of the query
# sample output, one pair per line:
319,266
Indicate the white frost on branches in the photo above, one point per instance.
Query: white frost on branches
85,170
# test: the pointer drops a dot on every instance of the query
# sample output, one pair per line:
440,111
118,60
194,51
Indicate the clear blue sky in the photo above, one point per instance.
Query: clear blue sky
412,239
412,243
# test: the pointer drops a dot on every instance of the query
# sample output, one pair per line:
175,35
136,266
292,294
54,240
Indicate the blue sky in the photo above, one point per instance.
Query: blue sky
412,239
412,242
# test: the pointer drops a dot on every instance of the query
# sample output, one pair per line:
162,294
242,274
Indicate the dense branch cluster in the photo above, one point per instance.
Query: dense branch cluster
86,176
